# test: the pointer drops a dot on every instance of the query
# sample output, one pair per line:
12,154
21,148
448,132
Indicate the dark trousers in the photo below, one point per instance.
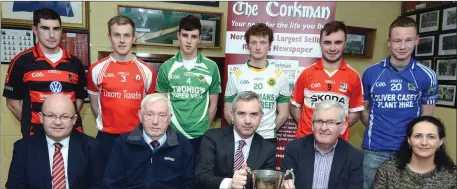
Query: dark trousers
105,141
196,144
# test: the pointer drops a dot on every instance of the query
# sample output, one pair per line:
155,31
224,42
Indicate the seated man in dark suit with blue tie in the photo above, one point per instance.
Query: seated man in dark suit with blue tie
323,160
153,155
223,151
60,157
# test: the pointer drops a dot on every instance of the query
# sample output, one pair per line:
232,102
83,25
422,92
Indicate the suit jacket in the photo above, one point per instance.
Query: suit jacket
216,156
30,166
346,170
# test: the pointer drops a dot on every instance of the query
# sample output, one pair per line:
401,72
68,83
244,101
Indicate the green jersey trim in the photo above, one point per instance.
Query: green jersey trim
283,99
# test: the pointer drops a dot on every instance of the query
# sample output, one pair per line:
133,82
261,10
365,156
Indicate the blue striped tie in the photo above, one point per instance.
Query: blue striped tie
239,158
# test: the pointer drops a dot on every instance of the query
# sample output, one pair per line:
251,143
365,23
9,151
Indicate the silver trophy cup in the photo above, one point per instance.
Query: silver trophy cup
269,179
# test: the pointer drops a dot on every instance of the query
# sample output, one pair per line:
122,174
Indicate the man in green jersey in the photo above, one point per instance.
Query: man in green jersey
192,83
267,80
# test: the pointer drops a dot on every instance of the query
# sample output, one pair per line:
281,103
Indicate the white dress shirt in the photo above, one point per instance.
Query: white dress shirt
226,182
64,150
148,140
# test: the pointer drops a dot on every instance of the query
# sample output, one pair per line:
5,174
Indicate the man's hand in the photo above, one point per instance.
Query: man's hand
239,178
288,184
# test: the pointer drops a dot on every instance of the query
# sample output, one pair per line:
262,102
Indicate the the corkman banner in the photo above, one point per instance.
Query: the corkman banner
296,41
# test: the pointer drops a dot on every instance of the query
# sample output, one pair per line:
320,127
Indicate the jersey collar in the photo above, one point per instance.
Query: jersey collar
199,57
38,53
320,64
411,64
257,69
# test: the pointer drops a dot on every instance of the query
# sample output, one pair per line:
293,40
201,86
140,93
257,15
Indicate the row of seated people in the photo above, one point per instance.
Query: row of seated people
154,155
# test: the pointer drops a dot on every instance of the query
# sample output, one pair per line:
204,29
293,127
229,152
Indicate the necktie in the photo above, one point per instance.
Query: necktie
239,157
58,170
155,144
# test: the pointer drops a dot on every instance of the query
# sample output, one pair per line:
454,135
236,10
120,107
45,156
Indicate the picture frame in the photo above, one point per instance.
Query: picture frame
74,14
446,95
201,3
159,26
413,6
426,46
78,44
449,19
360,42
447,44
426,62
429,21
446,68
14,40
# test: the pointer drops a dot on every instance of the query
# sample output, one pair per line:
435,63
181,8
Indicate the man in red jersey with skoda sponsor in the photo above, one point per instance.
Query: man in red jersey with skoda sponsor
117,84
330,78
42,70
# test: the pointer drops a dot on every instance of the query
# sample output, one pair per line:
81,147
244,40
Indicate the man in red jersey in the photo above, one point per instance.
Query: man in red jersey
117,84
330,78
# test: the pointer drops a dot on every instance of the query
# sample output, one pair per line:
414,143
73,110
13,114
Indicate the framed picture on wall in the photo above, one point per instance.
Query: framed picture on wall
449,19
74,14
426,62
425,46
14,41
77,42
355,44
447,44
446,95
446,69
429,21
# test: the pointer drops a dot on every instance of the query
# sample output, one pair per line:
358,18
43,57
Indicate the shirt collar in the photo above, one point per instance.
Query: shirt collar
148,139
38,53
64,142
320,64
238,138
411,64
114,60
331,150
199,57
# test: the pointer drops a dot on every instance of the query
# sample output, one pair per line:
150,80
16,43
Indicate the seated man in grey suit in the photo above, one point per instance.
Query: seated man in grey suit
322,160
223,151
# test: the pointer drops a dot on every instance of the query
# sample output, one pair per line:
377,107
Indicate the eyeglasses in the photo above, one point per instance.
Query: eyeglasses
150,116
53,117
328,123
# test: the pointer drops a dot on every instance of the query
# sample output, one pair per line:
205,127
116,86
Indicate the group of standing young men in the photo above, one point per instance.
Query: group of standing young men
389,95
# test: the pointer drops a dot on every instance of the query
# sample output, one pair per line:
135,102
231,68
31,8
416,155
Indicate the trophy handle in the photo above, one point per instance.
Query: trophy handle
289,172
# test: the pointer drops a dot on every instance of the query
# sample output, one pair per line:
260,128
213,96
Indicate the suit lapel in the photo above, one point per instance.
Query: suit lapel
74,156
254,153
41,152
230,149
309,167
339,158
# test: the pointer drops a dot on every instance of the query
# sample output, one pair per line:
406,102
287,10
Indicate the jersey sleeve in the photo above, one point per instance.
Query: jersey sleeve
356,95
81,87
14,85
92,85
153,80
284,91
366,85
215,87
230,89
298,93
163,85
430,91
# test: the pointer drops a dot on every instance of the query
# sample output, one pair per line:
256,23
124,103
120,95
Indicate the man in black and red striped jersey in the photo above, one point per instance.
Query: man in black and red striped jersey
42,70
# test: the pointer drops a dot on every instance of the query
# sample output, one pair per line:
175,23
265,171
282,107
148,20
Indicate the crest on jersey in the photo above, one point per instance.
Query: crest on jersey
343,87
271,82
55,87
137,78
411,87
202,78
431,90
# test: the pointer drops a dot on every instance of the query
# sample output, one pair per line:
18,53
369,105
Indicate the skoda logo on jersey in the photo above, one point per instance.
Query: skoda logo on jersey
271,82
55,87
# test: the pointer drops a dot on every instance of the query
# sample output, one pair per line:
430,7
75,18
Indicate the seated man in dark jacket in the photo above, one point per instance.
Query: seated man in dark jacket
224,151
152,155
323,160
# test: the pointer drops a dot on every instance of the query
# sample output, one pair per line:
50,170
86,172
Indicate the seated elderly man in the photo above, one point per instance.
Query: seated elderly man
223,151
153,155
322,160
60,157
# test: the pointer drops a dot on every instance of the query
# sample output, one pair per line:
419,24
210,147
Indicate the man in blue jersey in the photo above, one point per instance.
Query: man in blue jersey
396,90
